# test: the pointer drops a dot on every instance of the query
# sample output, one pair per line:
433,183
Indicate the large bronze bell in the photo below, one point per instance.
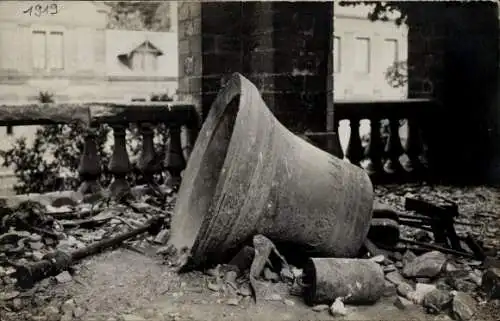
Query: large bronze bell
248,175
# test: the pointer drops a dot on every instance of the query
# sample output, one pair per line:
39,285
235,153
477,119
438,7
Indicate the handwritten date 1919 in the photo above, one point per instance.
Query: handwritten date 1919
42,9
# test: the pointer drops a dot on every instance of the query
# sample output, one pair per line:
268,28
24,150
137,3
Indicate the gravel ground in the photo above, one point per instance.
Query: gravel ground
127,285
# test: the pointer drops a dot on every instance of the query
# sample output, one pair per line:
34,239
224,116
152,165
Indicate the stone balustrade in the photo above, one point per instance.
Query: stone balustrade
180,118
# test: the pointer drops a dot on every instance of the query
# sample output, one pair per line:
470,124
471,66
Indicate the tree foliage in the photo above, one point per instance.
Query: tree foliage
383,10
51,162
140,15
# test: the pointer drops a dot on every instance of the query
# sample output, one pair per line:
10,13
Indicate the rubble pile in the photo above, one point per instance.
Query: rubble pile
33,230
419,271
411,260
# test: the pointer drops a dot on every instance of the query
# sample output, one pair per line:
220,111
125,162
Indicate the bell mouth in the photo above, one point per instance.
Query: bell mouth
201,186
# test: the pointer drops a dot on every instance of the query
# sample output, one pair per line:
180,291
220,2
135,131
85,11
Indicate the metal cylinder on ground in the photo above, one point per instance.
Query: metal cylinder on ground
357,281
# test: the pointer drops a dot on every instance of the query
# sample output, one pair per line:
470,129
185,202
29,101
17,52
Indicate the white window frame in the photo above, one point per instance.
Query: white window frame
48,30
368,69
337,54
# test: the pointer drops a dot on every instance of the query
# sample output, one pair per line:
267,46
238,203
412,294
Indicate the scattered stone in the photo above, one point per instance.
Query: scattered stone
78,312
408,257
68,306
37,255
490,283
64,277
132,317
420,292
474,263
67,317
230,276
289,302
395,277
52,313
213,287
389,268
462,283
397,256
427,265
244,290
297,273
389,289
378,259
10,270
233,301
17,304
402,303
274,297
320,307
296,289
162,237
2,272
451,267
36,245
398,265
9,280
442,284
287,274
338,308
36,237
270,275
436,301
463,306
5,296
476,277
404,289
214,271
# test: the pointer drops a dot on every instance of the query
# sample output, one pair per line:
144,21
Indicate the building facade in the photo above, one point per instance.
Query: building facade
363,51
64,48
67,50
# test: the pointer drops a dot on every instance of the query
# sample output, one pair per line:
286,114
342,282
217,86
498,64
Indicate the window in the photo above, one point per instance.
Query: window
55,50
362,55
39,50
10,130
48,50
391,51
144,60
145,57
336,54
8,58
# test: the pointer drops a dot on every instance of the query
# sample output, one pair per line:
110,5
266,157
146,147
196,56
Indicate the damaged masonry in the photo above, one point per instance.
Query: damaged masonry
264,225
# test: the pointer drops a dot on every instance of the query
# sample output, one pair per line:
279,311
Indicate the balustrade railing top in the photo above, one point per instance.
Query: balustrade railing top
181,119
89,113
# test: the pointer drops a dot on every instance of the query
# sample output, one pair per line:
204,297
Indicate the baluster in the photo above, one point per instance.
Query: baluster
89,168
148,162
354,150
374,150
393,148
336,147
187,142
119,164
413,147
174,161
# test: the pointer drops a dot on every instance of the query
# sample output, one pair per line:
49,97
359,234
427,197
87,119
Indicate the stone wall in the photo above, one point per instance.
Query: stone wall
283,48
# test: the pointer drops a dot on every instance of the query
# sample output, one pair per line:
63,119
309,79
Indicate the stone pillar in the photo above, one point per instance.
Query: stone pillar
282,47
453,56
